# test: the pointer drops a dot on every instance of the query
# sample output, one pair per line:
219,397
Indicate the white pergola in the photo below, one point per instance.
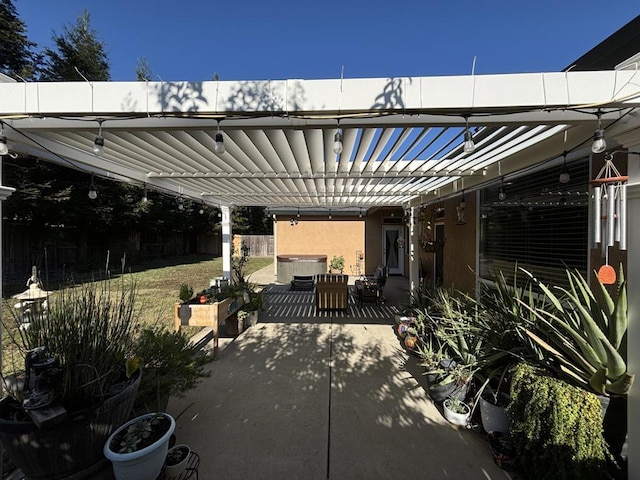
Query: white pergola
402,139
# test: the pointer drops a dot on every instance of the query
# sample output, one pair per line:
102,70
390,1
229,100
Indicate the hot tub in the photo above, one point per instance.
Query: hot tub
290,265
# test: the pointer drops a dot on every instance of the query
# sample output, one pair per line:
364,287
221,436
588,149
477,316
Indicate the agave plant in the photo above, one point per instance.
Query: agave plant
586,338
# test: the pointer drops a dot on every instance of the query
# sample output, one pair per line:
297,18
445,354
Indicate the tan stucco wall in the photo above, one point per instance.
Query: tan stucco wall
313,235
460,245
339,236
459,251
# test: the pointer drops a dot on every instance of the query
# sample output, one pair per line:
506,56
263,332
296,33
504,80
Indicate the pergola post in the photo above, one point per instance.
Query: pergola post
227,242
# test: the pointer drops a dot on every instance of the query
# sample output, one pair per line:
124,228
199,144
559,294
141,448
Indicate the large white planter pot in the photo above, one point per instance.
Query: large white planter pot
461,419
143,464
494,418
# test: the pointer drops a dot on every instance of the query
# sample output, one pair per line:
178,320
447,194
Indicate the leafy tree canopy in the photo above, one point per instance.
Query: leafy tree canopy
77,49
17,57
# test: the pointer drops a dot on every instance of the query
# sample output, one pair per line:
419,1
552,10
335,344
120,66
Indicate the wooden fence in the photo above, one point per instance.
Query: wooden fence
259,245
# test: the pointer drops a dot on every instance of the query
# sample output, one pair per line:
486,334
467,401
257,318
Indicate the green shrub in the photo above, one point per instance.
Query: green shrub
171,366
557,427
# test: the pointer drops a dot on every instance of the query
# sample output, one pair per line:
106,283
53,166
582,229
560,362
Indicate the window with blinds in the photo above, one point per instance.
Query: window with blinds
536,222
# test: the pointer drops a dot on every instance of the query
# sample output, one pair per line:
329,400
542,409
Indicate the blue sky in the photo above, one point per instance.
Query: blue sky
259,40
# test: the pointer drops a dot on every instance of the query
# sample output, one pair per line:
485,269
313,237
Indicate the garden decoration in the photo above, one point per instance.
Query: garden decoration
609,214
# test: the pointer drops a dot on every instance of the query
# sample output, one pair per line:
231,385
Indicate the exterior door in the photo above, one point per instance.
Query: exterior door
393,248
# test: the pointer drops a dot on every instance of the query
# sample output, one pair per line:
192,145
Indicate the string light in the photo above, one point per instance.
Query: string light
469,146
599,144
98,142
337,141
93,193
219,146
4,148
565,177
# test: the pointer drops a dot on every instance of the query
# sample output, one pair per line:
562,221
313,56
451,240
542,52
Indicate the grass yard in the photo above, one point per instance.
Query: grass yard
157,290
158,285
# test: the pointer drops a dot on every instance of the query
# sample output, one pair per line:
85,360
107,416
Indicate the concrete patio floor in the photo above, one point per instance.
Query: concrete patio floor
323,398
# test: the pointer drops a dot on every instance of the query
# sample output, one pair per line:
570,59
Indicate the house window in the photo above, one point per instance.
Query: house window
541,224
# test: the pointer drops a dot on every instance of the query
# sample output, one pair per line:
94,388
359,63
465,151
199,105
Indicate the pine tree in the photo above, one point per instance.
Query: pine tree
17,57
78,54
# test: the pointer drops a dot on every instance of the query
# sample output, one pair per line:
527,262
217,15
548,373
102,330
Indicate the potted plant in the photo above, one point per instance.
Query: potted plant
337,264
138,449
177,460
255,299
87,332
456,411
172,365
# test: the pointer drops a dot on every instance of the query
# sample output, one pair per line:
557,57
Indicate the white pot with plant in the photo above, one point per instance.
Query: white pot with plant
138,449
177,461
456,411
337,264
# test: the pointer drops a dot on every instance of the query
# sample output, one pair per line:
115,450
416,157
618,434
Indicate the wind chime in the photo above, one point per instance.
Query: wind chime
609,214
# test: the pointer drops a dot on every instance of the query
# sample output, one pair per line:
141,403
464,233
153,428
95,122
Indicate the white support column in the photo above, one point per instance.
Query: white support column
414,257
631,141
227,245
5,192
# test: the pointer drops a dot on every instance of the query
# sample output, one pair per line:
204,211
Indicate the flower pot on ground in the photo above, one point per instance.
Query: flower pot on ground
494,417
177,461
337,264
138,449
456,411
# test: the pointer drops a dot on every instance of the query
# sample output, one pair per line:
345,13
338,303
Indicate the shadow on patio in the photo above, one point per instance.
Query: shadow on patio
323,398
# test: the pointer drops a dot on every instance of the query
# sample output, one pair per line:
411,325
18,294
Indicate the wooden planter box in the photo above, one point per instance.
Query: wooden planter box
207,315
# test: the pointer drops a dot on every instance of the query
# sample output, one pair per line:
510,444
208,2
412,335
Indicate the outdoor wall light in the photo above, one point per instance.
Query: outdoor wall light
293,221
599,144
98,142
337,143
565,177
93,193
469,146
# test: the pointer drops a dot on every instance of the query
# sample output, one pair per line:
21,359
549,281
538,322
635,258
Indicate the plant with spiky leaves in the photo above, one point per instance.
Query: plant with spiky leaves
586,338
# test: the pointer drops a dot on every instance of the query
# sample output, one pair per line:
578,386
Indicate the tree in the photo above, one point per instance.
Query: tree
17,57
143,70
77,50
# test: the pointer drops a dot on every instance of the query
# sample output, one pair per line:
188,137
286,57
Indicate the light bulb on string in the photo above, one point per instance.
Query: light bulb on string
502,194
93,193
599,144
218,148
337,142
98,141
565,177
4,148
469,146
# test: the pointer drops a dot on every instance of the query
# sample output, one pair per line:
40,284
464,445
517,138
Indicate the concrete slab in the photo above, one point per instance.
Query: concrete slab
323,400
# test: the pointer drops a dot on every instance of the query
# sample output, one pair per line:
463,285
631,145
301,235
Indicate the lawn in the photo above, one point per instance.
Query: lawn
157,286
